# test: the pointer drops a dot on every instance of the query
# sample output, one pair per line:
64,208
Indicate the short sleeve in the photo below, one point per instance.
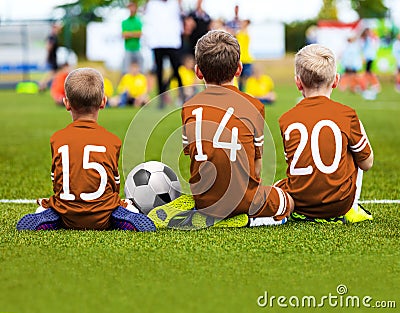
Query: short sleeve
358,142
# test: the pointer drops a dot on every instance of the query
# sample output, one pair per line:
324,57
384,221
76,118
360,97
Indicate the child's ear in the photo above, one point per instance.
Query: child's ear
66,104
298,82
239,69
103,103
336,80
199,74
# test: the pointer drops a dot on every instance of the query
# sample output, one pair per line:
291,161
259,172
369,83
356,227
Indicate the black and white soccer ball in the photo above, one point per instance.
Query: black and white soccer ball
151,184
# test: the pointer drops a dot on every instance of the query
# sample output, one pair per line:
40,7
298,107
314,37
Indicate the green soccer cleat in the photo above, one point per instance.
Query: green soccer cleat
358,214
180,214
330,220
241,220
161,215
192,220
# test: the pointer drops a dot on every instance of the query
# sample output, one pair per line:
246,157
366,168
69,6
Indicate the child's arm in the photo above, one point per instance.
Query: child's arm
360,146
366,164
258,165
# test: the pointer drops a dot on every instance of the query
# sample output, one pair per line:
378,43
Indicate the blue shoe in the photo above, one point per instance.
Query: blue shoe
46,220
124,219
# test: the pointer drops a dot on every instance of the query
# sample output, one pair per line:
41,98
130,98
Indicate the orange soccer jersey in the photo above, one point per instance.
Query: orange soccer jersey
223,134
322,140
85,175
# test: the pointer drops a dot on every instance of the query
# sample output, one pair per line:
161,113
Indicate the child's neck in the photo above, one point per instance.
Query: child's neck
84,117
325,92
222,84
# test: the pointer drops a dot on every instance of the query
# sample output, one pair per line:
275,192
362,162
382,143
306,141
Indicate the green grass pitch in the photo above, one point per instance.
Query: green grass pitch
212,270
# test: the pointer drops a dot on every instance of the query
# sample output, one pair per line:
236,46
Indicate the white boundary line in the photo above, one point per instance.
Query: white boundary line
18,201
374,201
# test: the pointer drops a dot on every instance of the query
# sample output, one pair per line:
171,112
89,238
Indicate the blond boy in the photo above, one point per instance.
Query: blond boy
326,147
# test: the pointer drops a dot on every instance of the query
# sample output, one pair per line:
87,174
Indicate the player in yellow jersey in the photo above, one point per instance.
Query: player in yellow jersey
243,37
261,86
84,168
132,88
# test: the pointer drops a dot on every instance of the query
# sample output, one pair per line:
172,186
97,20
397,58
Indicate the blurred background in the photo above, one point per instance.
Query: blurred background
91,33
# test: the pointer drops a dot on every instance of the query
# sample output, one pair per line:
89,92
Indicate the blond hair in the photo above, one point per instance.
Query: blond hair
217,55
84,89
315,65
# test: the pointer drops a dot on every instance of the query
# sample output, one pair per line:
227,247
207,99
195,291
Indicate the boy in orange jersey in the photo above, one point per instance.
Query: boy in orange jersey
85,168
57,90
223,131
326,147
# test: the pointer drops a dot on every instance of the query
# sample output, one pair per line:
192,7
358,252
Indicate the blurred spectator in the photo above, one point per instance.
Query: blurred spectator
57,90
202,24
370,46
51,59
396,53
188,26
217,24
131,32
351,61
233,25
261,86
188,76
132,88
243,38
163,36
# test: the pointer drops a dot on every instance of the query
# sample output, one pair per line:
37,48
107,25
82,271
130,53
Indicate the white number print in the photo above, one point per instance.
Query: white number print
66,194
326,169
233,145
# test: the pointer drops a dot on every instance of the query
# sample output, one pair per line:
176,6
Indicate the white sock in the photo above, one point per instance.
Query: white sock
130,206
40,210
265,221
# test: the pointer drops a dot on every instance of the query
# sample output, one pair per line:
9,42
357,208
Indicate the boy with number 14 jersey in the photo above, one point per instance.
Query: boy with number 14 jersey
326,146
223,133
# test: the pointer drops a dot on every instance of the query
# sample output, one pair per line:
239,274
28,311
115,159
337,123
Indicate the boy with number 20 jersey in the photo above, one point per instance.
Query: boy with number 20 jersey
326,147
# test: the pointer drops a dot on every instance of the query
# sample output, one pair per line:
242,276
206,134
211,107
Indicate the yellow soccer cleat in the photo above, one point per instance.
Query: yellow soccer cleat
358,214
161,215
194,219
181,214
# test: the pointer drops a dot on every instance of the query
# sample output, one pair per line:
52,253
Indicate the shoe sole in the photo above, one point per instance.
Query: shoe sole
140,221
33,221
163,214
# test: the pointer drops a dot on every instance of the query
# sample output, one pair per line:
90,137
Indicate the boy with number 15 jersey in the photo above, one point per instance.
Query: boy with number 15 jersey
85,168
326,147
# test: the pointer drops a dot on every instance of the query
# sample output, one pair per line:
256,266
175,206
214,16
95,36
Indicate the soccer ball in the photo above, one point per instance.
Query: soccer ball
151,184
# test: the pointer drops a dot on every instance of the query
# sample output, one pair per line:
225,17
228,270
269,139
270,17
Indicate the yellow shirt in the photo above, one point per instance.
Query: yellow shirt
135,85
259,87
188,77
244,41
108,88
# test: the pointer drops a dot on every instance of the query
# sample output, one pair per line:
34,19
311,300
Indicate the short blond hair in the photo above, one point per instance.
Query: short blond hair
217,55
315,65
84,89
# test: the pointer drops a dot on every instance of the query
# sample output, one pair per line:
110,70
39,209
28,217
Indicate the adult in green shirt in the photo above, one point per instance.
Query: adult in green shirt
131,32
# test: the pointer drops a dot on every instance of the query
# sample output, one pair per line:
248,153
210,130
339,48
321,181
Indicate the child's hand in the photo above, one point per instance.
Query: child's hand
39,201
